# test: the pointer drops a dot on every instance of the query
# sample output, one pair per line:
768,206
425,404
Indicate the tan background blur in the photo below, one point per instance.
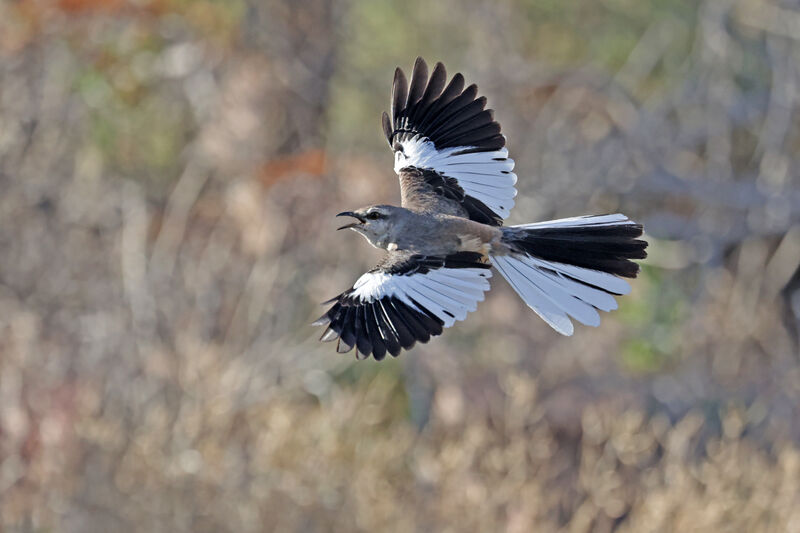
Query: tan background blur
169,172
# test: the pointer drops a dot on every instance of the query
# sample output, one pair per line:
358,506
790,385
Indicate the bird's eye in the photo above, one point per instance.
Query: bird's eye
373,215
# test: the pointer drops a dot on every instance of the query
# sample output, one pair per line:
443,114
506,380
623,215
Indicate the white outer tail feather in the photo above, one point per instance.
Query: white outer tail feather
616,219
551,289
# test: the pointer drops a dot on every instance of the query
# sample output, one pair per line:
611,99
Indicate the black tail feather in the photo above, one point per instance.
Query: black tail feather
605,247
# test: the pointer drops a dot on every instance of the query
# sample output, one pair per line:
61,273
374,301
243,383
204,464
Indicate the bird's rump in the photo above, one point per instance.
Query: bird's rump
446,132
408,298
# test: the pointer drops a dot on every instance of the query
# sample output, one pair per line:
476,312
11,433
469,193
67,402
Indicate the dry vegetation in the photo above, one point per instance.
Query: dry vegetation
169,171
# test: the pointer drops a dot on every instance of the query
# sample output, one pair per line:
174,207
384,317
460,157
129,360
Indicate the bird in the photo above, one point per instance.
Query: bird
447,236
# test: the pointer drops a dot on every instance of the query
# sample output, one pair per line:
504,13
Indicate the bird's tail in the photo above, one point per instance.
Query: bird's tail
571,266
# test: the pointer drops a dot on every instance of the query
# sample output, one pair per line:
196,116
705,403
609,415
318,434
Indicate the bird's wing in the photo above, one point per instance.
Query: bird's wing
407,298
448,149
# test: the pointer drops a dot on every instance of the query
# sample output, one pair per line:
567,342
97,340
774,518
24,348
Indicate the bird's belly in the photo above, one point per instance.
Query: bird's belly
473,243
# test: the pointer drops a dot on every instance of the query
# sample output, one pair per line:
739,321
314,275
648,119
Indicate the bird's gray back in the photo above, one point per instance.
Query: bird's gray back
421,193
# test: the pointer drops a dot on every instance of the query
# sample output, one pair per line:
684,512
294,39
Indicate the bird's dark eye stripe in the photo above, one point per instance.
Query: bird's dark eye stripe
373,215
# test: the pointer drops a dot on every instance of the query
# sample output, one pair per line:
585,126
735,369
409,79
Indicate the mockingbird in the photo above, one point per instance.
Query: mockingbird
457,186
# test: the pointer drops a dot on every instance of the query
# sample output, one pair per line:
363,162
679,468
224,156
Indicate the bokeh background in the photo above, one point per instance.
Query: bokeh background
169,172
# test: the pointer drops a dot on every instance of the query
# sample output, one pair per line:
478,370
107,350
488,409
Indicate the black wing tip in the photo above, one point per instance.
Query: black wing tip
448,116
343,347
399,93
386,123
417,86
400,327
324,320
399,84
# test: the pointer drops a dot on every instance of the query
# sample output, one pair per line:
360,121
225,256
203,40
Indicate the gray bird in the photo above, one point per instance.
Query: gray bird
457,186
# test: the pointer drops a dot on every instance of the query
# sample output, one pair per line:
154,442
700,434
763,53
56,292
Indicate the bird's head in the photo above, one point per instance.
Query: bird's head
375,223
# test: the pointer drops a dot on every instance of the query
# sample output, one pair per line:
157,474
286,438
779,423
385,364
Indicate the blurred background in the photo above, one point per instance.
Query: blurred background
169,172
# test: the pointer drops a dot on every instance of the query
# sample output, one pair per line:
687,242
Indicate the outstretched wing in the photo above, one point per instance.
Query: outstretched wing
408,298
448,150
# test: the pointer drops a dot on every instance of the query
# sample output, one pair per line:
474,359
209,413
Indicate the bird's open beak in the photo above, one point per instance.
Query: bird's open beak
361,219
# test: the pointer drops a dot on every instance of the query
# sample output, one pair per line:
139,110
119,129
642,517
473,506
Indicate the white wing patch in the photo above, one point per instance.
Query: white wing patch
485,176
448,293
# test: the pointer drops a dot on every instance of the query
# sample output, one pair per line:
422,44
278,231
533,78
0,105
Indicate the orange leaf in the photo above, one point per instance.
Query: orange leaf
308,162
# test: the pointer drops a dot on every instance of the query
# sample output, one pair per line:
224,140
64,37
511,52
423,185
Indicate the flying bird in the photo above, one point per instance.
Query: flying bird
457,187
